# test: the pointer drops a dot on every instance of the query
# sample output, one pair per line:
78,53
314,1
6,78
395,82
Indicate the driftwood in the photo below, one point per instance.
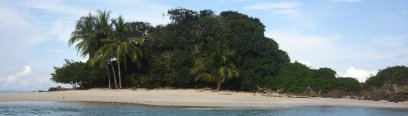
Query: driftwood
267,92
294,96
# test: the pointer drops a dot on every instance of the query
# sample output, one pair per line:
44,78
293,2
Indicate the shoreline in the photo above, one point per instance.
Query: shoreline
192,98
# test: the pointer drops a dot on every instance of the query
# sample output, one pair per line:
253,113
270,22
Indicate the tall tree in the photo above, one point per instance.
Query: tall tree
90,31
121,47
84,34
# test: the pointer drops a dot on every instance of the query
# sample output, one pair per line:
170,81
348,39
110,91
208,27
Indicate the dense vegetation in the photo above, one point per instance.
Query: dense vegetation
389,84
197,49
79,74
396,75
295,77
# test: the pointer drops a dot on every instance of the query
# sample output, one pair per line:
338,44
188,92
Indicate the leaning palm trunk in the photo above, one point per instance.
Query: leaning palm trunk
109,81
114,77
218,86
219,82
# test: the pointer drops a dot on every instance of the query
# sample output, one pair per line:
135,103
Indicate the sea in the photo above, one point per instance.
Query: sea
52,108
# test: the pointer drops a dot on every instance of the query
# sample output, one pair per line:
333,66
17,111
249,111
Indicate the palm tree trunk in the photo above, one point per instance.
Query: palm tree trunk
109,81
219,84
114,77
120,77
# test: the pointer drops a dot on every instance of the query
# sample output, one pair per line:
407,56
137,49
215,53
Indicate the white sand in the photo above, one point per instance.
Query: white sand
192,97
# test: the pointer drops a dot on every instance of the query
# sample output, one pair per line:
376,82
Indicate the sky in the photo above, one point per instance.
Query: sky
356,38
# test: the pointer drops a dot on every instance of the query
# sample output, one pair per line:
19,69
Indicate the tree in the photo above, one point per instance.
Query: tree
346,84
216,67
397,75
198,45
78,74
121,47
325,73
258,57
89,32
181,15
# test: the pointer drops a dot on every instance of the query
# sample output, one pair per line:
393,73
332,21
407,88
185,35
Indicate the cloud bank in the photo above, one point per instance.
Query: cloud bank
360,74
25,80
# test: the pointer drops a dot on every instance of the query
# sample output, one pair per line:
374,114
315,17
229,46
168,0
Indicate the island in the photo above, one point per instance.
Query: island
227,53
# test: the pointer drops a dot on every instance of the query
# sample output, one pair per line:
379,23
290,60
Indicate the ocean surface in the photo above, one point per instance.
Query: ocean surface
46,108
16,91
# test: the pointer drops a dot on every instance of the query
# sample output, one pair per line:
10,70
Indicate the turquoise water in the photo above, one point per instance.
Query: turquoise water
42,108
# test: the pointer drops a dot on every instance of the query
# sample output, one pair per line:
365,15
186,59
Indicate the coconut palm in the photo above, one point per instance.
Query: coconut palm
121,47
84,34
216,67
88,34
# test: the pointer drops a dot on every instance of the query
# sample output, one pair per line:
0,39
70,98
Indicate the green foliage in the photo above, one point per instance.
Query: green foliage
258,57
106,41
196,45
90,31
346,84
296,77
325,73
181,15
392,75
78,74
216,67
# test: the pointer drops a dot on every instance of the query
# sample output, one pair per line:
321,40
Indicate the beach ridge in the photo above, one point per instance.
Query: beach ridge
193,98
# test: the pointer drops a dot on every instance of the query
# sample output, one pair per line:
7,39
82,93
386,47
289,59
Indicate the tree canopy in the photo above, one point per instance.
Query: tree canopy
397,75
78,74
195,45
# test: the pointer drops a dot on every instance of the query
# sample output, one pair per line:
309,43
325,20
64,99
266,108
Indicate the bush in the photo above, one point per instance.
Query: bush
79,75
398,97
392,75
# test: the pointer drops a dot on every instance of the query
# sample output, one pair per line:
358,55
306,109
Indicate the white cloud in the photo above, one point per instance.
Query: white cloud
286,8
347,1
25,80
331,51
28,80
41,27
360,74
17,76
328,51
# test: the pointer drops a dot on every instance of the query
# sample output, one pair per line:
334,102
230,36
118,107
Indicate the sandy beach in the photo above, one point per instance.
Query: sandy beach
192,97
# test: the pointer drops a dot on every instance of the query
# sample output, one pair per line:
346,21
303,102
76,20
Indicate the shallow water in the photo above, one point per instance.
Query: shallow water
46,108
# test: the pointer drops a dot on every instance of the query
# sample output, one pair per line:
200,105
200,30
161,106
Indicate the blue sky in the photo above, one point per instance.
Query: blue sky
353,37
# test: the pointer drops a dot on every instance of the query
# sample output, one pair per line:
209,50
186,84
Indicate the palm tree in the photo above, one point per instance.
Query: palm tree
121,46
89,32
217,67
84,33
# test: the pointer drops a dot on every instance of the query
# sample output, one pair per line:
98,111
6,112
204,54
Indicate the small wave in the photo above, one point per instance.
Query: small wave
200,108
